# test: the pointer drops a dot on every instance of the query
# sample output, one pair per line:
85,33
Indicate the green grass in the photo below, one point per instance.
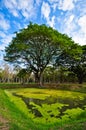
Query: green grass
17,119
14,110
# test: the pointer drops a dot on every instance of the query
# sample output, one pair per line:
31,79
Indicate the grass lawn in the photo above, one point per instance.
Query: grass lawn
15,114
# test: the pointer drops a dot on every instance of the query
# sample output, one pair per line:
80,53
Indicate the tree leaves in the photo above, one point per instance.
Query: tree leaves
38,46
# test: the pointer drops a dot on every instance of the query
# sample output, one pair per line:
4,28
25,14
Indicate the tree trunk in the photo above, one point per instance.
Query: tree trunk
41,80
80,79
38,78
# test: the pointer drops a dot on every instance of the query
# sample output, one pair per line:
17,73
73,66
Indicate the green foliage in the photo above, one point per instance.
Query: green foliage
50,110
79,67
74,113
10,108
37,46
15,118
74,60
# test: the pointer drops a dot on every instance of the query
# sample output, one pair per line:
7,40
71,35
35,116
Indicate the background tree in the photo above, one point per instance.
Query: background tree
79,67
75,61
6,73
49,74
24,75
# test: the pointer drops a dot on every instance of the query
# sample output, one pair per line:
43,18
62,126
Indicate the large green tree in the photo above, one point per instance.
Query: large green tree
37,46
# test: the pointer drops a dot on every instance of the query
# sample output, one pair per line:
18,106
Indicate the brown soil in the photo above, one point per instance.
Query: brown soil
3,124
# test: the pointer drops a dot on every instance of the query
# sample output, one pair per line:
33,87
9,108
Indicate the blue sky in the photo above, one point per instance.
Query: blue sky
67,16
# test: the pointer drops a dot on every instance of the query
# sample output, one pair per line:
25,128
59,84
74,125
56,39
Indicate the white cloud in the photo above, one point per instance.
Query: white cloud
5,40
17,25
53,1
75,28
2,34
14,12
38,2
4,24
27,8
82,23
66,5
80,35
24,7
45,11
51,22
79,38
80,7
54,6
68,24
1,57
73,21
11,6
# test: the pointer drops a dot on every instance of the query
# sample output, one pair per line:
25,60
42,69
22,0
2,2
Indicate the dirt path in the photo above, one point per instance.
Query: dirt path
3,124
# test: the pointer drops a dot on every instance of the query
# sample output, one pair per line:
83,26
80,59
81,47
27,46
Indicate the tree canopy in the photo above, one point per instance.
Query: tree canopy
79,67
76,63
36,47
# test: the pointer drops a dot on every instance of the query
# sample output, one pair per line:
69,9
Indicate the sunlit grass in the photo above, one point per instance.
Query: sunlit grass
50,112
14,109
